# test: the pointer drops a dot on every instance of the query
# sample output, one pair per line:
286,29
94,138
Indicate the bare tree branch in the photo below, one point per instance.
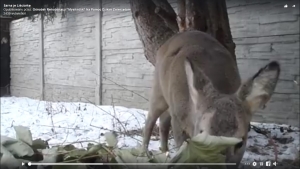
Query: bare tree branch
165,5
225,32
167,13
208,16
168,19
181,15
211,16
190,15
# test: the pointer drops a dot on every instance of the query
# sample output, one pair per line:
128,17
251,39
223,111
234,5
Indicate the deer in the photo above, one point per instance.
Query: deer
197,88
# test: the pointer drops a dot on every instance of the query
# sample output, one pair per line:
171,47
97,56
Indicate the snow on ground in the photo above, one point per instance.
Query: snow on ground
65,123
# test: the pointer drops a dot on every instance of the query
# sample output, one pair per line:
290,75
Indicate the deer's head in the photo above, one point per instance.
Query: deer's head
229,115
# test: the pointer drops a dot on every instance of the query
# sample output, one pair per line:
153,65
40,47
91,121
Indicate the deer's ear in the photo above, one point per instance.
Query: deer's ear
257,91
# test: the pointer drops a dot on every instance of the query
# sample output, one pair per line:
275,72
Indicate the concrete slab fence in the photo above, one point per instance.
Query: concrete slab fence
98,58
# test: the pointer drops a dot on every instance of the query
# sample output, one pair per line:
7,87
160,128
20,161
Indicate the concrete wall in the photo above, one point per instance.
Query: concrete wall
96,58
264,30
56,60
70,56
123,60
24,42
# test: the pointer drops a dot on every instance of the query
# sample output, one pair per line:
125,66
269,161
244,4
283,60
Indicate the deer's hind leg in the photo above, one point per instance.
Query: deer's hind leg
181,123
164,129
158,106
178,132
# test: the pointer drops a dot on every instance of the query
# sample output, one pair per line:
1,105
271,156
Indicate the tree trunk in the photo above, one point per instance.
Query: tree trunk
156,22
152,29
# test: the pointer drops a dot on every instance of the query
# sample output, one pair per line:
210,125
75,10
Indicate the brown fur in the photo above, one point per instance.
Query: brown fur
197,88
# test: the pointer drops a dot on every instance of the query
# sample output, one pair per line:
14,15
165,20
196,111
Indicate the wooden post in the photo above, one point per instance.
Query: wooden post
98,59
41,53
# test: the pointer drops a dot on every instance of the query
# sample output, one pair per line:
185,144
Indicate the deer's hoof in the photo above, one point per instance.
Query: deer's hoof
163,150
147,153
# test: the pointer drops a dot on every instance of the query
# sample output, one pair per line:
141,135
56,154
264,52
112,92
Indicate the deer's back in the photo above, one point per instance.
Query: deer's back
207,53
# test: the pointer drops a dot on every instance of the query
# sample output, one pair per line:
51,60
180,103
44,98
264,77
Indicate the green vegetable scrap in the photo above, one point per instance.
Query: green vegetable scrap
204,148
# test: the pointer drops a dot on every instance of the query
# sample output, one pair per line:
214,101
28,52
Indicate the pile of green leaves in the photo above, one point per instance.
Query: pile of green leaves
21,149
202,148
